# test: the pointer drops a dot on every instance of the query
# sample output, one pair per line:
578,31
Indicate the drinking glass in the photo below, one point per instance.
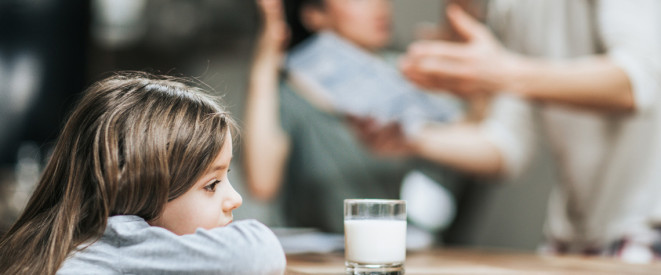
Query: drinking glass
374,236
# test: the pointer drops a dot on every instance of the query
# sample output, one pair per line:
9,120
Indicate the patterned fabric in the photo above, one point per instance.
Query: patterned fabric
359,83
642,248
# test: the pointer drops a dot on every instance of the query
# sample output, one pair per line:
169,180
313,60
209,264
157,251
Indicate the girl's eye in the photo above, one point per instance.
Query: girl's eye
211,187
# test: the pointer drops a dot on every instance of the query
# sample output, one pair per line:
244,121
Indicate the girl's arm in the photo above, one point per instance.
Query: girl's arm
266,144
243,247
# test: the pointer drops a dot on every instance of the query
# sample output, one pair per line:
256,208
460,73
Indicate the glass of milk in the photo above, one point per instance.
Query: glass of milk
374,236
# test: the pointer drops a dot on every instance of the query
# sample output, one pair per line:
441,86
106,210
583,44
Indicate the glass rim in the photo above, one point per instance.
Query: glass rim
381,201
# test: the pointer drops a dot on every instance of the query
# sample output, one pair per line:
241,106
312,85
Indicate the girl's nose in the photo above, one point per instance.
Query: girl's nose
233,200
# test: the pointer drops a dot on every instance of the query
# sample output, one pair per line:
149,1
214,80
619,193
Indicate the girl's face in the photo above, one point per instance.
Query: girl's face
364,22
208,204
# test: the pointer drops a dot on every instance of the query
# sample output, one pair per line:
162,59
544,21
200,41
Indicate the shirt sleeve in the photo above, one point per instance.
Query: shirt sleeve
243,247
631,37
510,127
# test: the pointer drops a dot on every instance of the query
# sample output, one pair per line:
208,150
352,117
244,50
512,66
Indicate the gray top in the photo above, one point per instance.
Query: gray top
130,245
328,163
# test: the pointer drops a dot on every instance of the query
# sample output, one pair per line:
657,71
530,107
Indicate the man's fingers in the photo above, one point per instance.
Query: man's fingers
436,49
439,68
442,82
465,25
424,80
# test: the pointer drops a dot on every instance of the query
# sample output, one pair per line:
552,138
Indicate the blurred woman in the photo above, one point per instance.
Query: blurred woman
294,147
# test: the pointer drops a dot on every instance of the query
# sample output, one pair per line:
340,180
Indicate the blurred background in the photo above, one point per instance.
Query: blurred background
50,50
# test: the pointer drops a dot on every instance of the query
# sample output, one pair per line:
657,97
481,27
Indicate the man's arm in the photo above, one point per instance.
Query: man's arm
482,65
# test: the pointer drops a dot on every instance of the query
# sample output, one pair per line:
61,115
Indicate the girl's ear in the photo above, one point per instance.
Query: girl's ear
314,18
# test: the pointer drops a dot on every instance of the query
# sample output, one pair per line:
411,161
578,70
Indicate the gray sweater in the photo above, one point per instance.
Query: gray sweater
131,246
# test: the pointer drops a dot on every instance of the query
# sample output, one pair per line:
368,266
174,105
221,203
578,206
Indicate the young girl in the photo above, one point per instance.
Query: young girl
138,184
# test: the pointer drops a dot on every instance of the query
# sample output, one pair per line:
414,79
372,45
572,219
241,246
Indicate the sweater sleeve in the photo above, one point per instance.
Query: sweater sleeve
510,127
243,247
631,37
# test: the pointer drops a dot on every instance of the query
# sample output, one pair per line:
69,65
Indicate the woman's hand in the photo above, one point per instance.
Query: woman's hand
274,35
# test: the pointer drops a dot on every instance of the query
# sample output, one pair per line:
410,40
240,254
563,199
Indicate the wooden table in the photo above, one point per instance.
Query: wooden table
467,261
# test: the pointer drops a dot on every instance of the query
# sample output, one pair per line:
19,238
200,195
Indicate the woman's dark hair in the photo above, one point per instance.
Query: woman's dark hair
293,9
133,142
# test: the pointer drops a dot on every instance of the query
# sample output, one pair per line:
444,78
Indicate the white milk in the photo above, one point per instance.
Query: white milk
375,241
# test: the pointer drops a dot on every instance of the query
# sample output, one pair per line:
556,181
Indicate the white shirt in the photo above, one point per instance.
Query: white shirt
609,164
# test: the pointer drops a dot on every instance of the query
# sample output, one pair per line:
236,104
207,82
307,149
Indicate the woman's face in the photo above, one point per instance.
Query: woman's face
366,23
208,204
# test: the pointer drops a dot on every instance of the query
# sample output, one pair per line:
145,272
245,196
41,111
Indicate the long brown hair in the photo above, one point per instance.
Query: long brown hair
133,142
